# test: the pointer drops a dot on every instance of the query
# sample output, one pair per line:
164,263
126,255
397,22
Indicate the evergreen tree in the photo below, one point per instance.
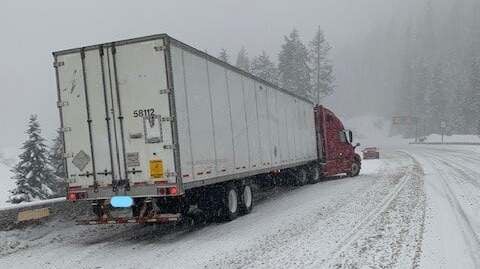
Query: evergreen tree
34,177
56,160
264,68
293,66
322,67
474,97
243,62
224,56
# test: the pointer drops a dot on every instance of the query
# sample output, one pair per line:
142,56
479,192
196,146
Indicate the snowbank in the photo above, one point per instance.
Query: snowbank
374,131
434,138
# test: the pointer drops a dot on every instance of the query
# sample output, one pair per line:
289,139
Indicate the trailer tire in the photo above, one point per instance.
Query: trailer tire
301,177
246,199
230,203
354,170
315,175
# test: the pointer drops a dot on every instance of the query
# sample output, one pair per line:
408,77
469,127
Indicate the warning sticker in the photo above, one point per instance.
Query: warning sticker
81,160
156,168
133,159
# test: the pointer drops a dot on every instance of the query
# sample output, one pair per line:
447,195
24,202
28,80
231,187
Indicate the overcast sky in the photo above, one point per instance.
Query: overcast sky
31,30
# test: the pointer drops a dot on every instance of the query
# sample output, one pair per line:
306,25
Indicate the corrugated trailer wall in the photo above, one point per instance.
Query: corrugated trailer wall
232,124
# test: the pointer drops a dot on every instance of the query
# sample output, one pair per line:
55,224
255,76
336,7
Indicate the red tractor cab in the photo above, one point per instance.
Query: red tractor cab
335,148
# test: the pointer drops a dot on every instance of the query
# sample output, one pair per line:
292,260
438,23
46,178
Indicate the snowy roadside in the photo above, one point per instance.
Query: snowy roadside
391,236
452,184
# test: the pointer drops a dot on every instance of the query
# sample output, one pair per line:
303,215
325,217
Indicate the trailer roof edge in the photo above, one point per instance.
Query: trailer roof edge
185,46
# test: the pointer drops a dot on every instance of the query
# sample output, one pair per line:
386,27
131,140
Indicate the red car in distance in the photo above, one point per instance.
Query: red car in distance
371,153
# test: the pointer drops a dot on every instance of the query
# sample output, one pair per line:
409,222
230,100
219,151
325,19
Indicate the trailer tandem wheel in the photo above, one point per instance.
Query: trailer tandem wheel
301,176
230,202
246,199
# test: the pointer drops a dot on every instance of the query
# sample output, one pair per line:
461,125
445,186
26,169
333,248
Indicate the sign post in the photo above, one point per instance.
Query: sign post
443,126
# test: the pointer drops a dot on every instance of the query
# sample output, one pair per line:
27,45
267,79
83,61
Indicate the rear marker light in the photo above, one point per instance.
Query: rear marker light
172,190
72,196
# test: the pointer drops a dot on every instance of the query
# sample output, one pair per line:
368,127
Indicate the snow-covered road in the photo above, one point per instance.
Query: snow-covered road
452,184
416,208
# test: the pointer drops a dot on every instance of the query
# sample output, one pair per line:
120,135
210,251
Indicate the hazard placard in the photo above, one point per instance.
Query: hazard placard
156,168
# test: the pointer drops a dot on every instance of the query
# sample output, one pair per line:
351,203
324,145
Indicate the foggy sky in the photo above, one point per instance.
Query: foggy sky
31,30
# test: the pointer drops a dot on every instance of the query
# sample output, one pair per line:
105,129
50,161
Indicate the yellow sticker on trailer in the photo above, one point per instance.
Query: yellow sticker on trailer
156,168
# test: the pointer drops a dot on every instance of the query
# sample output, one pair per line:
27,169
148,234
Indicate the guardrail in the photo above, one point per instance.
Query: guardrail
446,143
23,215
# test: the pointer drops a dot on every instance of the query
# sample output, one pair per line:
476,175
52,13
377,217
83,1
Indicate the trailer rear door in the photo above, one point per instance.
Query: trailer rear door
116,117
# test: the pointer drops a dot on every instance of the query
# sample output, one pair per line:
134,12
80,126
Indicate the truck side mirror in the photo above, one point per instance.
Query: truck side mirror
350,136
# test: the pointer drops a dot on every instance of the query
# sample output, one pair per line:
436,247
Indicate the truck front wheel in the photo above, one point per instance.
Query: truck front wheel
354,170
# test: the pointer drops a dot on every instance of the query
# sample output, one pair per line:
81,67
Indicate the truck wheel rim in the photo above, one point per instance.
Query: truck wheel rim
316,174
354,169
232,201
247,196
304,177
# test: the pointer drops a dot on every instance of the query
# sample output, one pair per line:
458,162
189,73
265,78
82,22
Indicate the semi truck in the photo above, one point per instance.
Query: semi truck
154,127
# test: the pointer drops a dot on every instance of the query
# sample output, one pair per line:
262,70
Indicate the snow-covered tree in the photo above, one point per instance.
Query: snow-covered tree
34,177
293,66
57,163
322,67
243,62
224,56
264,68
474,97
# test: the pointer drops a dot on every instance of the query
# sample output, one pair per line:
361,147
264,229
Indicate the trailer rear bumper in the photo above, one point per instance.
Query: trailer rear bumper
159,218
140,191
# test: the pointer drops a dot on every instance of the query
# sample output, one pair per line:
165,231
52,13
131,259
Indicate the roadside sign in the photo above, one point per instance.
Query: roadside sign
443,124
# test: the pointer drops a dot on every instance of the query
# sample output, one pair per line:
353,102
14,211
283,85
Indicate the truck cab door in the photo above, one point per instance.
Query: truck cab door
334,147
347,150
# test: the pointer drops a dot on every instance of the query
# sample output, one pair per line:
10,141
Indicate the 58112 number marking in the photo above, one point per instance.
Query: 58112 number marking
141,113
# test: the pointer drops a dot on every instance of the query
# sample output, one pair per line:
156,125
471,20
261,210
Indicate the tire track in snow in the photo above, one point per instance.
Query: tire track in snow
449,171
458,205
362,232
287,237
314,242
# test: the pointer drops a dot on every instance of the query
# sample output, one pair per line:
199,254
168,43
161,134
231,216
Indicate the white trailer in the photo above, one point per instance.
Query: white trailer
152,117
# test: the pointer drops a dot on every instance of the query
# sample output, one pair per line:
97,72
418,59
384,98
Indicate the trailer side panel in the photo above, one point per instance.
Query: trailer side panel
232,125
